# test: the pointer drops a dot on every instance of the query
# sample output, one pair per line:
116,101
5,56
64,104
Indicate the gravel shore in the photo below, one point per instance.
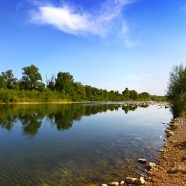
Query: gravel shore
171,164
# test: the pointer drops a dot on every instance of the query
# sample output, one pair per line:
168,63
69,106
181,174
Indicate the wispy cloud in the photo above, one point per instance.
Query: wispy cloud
106,21
139,77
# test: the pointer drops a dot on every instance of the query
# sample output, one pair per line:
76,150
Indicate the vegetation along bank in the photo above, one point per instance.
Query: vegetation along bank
58,88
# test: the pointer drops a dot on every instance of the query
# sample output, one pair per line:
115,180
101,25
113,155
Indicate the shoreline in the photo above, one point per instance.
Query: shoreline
170,166
171,163
74,102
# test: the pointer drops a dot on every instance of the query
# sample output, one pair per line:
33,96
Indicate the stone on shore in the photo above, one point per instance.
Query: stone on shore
170,133
161,150
130,180
151,165
141,160
140,181
176,169
114,183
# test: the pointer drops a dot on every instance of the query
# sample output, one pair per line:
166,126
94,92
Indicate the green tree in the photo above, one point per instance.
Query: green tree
133,95
31,79
126,94
51,82
2,82
65,83
144,96
80,91
176,92
10,81
88,91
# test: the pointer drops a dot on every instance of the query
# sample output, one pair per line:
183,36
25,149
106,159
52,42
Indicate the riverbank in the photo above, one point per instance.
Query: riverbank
171,164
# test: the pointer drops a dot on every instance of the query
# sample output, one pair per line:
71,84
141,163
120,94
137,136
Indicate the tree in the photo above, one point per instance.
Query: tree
126,94
31,79
51,82
176,92
88,91
80,91
133,95
65,83
144,96
10,81
2,82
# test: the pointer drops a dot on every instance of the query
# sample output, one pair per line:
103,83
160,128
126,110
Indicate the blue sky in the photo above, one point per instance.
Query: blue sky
109,44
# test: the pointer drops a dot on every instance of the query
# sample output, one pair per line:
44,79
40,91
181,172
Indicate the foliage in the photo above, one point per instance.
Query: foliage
176,92
31,79
60,88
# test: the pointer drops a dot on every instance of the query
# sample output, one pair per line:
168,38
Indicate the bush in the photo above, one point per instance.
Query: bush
177,90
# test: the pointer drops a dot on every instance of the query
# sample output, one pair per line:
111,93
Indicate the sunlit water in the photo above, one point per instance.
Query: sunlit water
77,144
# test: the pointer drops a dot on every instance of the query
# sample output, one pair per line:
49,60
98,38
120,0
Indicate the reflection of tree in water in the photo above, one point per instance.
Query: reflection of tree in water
62,116
31,123
133,107
129,108
7,119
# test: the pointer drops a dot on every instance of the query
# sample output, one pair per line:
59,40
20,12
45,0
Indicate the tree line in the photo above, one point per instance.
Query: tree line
62,87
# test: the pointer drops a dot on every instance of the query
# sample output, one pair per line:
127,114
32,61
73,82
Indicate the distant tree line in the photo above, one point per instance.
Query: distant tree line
62,87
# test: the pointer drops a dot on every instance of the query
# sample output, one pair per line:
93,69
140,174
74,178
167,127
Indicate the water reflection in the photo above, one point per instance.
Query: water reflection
101,147
31,116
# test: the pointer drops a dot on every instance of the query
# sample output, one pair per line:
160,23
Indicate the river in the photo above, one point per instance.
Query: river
76,144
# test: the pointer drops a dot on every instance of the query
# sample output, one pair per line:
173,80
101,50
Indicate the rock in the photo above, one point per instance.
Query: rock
114,183
151,165
161,150
140,181
176,169
141,160
167,130
130,180
173,141
122,182
170,133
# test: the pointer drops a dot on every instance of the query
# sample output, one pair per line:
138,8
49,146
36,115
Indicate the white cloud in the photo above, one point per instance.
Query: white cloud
65,19
107,20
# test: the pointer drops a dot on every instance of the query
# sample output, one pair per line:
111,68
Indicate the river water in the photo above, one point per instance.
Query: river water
76,144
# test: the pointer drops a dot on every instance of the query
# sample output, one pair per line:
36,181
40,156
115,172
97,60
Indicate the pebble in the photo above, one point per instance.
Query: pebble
170,133
141,160
140,181
161,150
113,183
151,165
130,180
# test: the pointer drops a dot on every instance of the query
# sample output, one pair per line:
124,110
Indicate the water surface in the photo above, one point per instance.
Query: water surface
77,144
